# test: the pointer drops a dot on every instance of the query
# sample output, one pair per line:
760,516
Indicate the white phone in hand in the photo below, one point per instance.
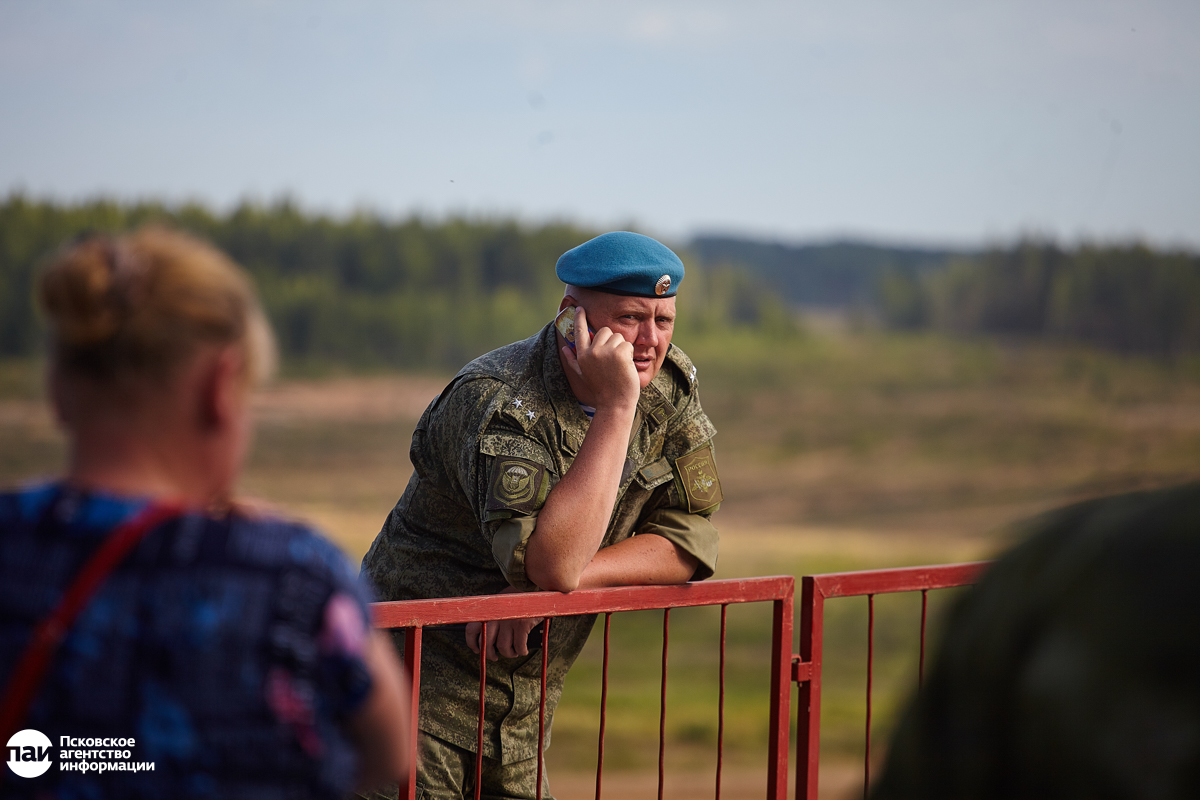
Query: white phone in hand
565,323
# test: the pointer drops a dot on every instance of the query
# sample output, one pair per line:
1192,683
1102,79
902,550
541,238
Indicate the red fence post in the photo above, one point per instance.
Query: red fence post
781,696
720,707
603,708
541,766
483,635
870,669
412,661
924,616
662,702
808,675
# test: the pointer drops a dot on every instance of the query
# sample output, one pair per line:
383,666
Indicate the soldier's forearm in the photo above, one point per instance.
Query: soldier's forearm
574,519
645,559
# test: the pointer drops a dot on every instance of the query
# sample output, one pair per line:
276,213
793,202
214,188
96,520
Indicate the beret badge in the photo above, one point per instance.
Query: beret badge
663,286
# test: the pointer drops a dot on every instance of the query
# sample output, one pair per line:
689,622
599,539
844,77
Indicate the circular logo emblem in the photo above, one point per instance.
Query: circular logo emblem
515,483
29,753
663,286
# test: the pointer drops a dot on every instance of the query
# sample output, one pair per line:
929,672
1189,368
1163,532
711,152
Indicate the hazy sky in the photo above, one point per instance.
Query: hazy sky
920,120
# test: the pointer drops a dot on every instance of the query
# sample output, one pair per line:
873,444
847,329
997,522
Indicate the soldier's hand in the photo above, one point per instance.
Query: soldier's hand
508,637
604,360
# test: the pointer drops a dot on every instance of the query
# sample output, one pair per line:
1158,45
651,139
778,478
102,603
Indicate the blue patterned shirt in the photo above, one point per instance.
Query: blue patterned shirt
230,651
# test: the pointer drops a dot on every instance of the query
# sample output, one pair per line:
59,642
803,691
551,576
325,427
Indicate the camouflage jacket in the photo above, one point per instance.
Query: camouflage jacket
485,454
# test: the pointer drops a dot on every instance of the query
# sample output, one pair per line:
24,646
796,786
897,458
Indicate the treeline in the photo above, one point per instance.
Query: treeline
368,291
1127,298
364,290
829,275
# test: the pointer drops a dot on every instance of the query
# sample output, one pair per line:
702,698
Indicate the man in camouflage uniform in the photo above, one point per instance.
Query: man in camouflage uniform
555,465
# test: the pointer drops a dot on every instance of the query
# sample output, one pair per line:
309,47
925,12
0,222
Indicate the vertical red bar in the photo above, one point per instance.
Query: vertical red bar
483,637
721,705
781,696
662,702
870,664
921,666
603,707
808,701
412,661
542,707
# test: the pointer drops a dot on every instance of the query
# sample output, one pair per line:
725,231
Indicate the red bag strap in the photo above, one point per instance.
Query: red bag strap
31,668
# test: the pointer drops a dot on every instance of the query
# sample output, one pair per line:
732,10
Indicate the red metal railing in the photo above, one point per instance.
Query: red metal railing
806,667
414,615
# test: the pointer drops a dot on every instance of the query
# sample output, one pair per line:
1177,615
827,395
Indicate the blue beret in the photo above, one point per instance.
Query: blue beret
622,263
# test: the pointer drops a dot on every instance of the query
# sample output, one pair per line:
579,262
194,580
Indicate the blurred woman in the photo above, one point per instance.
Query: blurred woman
138,602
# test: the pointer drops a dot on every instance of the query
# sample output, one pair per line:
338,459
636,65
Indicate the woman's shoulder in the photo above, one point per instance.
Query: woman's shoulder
26,503
79,514
275,540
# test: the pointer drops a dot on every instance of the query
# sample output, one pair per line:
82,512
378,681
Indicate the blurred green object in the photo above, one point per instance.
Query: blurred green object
1072,670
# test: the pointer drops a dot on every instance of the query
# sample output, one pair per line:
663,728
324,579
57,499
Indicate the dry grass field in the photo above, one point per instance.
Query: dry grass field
836,451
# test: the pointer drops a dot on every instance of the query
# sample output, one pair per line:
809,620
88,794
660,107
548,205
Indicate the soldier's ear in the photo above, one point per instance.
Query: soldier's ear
567,302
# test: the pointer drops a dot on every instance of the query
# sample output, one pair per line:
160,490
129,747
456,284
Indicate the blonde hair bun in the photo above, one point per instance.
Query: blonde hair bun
139,305
76,294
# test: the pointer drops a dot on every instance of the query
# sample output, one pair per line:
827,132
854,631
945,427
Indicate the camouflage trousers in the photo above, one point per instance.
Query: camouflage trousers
447,772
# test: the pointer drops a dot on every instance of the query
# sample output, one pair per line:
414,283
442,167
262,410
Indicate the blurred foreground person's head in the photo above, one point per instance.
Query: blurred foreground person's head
155,338
157,639
1073,669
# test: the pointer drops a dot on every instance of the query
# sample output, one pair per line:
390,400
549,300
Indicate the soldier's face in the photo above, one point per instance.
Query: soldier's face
646,323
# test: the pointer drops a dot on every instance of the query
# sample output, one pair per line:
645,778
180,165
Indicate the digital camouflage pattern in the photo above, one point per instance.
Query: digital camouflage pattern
1072,670
485,454
449,774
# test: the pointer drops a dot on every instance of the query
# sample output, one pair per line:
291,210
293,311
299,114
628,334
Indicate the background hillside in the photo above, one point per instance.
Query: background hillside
832,275
1125,297
368,292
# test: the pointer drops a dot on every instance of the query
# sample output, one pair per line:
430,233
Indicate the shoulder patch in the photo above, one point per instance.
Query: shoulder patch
517,485
662,412
698,476
687,370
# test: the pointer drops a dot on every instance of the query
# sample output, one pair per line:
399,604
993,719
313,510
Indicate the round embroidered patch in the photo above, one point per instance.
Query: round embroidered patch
516,483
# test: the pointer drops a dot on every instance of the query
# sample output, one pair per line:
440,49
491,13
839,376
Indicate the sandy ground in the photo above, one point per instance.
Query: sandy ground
335,452
383,398
839,780
351,500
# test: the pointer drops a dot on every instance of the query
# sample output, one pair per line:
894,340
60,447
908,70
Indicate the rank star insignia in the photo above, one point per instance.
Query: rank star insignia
519,403
692,376
530,414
